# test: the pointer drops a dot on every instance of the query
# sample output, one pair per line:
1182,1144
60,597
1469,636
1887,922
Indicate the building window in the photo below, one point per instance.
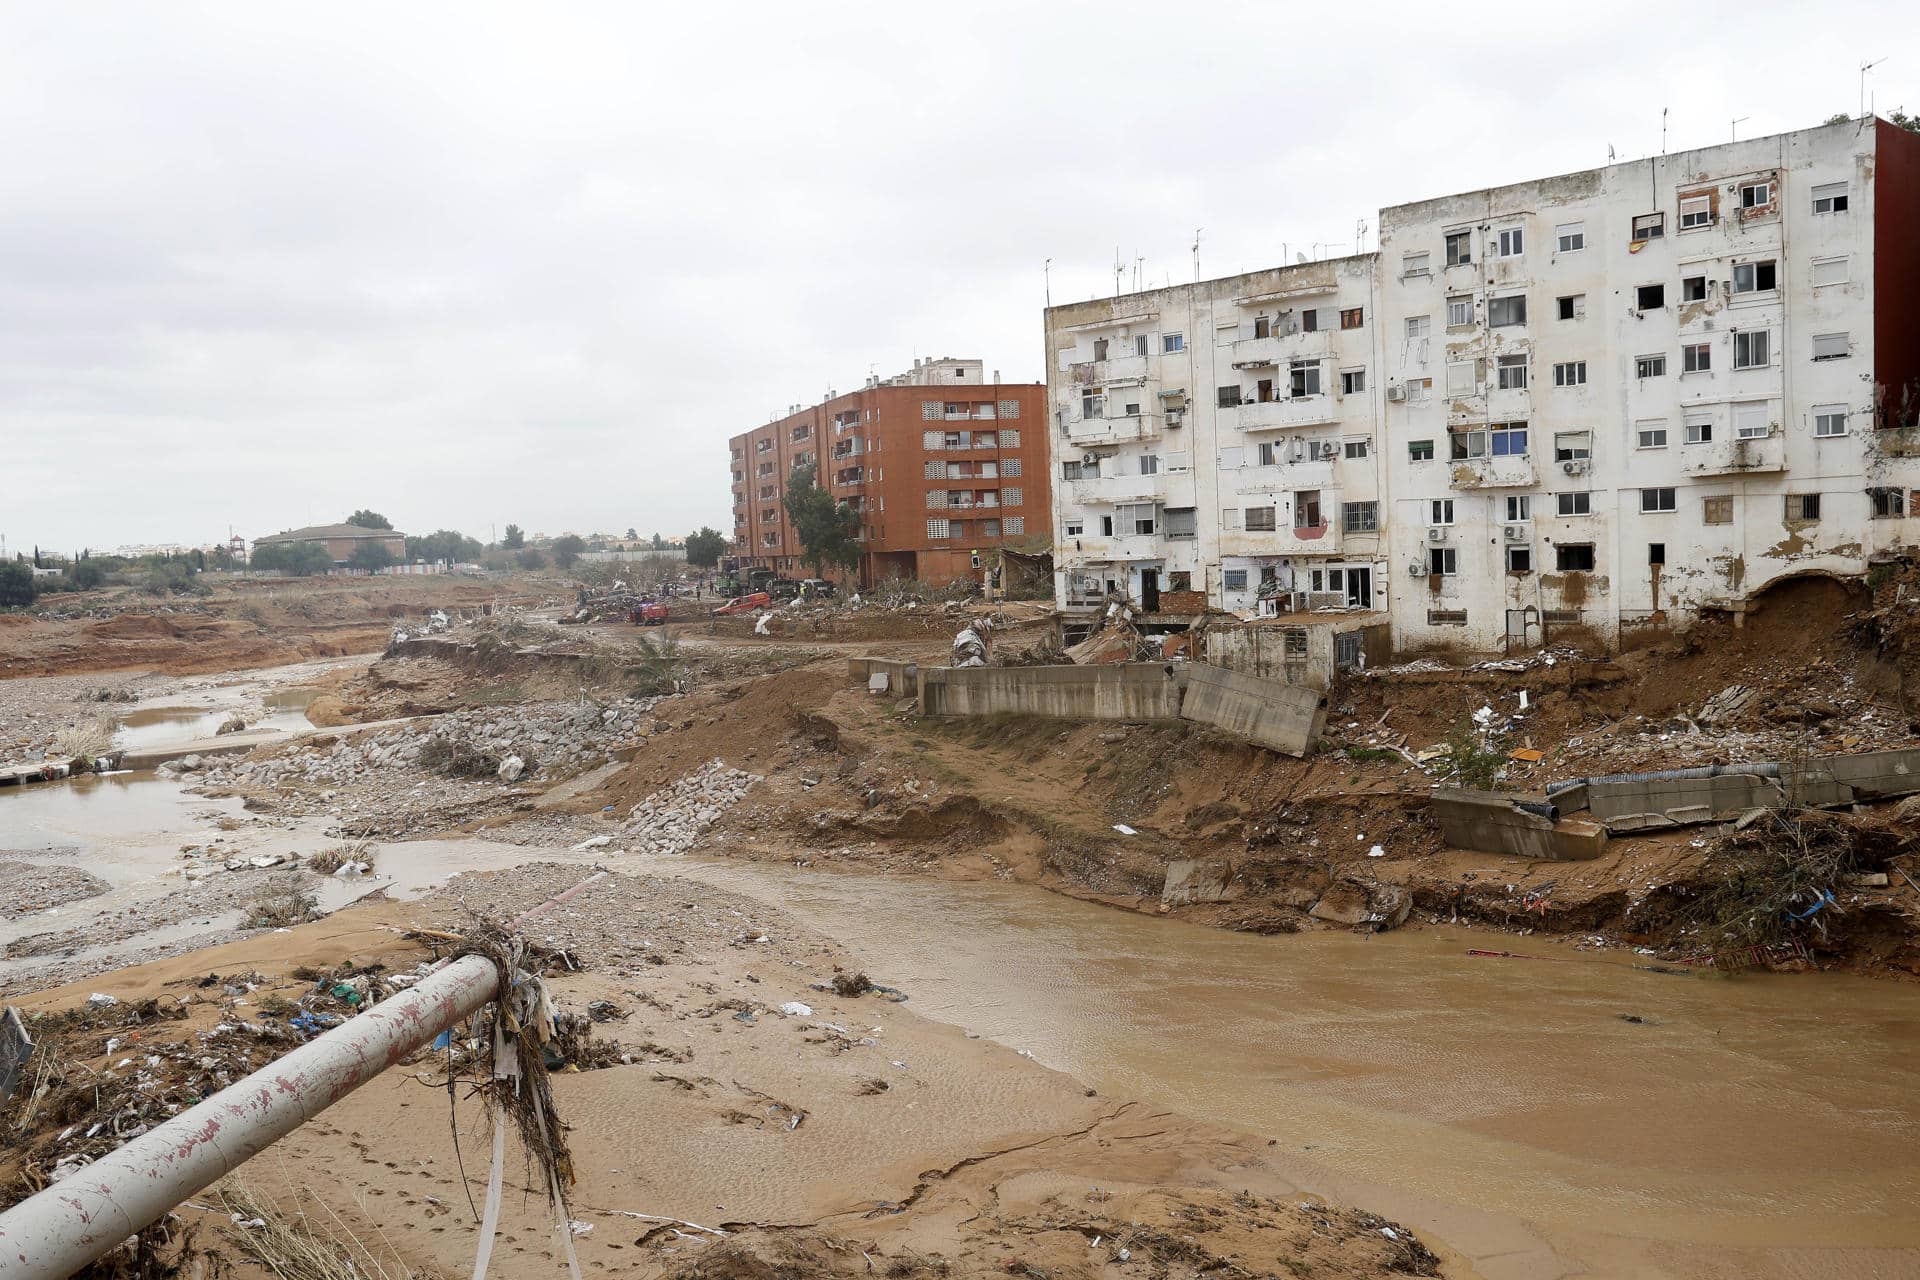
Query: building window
1310,320
1755,277
1419,451
1888,504
1699,430
1652,434
1828,271
1573,504
1099,349
1507,311
1140,344
1172,342
1511,242
1653,500
1233,579
1572,446
1358,447
1465,443
1443,561
1803,507
1228,397
1016,525
1507,440
1260,519
1132,410
1015,497
1830,197
1570,237
1459,311
937,527
1716,511
1352,381
1830,346
1510,373
1440,511
1696,212
1656,553
1459,248
1650,297
1693,288
1756,195
1359,517
1829,420
1093,405
1519,508
1519,559
1009,468
1304,378
1573,306
1750,420
1075,528
1696,357
1574,557
1750,349
1654,366
1419,326
1413,264
1306,509
1352,317
1149,464
1572,373
1649,226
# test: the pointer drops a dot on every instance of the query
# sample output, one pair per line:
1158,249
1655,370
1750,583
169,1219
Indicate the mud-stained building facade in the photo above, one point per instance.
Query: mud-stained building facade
1604,401
942,464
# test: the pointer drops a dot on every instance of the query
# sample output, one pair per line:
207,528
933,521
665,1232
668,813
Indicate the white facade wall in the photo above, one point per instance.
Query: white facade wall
1503,451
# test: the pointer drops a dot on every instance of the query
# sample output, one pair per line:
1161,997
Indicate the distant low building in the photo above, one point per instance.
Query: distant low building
340,540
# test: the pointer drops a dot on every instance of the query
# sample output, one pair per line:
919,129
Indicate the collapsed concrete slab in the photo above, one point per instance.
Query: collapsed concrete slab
1717,793
1288,718
902,678
1491,822
1191,880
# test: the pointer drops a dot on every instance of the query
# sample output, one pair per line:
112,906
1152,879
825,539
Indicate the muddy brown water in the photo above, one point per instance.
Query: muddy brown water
1764,1125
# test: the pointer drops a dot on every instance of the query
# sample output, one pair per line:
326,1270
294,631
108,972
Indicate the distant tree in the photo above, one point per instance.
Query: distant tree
828,530
514,539
85,575
567,548
633,535
530,558
705,548
659,543
371,555
1838,118
369,519
1900,119
445,544
295,559
17,586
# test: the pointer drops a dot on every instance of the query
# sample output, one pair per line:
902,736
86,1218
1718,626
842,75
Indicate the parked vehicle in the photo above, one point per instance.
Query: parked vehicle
744,604
816,588
650,613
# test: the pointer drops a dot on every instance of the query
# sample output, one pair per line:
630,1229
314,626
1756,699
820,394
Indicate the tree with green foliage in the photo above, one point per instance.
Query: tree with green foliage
17,586
370,556
530,558
829,531
567,548
444,544
369,520
705,547
295,559
514,539
659,543
1896,117
633,534
85,575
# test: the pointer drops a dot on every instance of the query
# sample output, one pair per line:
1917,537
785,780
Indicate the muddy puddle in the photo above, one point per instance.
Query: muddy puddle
1563,1115
157,726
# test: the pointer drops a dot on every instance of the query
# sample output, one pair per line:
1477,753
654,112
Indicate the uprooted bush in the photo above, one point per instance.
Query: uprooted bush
281,907
328,861
460,758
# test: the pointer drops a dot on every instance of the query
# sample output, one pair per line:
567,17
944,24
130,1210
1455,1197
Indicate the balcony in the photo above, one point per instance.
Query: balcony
1093,549
1756,454
1512,471
1110,489
1256,351
1272,477
1311,540
1277,415
1117,430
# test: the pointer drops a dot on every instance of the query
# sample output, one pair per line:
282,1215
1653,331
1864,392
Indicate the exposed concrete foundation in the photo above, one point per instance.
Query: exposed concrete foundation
1492,823
903,678
1651,802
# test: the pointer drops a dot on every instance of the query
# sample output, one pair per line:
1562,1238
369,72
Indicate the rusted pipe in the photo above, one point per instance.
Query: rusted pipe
55,1233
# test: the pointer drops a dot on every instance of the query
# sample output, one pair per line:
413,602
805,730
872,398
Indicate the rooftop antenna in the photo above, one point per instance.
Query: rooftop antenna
1865,102
1360,236
1196,253
1733,128
1046,276
1138,259
1118,270
1663,131
1609,153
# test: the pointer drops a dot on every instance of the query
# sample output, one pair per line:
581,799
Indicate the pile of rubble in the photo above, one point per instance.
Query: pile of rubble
671,819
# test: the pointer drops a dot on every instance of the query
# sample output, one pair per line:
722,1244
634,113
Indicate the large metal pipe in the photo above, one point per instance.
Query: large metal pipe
55,1233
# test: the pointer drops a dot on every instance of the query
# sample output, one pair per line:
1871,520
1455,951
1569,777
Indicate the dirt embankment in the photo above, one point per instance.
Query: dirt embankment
730,1114
243,624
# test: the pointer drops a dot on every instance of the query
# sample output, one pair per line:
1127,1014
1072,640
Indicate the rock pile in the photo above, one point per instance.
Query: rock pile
671,819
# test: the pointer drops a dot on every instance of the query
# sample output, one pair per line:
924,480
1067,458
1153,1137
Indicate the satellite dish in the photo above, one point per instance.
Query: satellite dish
1299,258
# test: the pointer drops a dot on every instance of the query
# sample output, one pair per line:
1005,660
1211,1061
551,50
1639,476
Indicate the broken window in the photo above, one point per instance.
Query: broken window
1466,442
1803,507
1754,277
1271,454
1750,349
1459,248
1419,451
1696,357
1352,381
1693,288
1463,377
1510,373
1519,559
1829,420
1573,504
1179,579
1306,509
1830,197
1656,553
1510,310
1654,366
1656,500
1262,327
1352,317
1359,517
1574,557
1572,373
1572,446
1888,503
1260,519
1572,306
1093,405
1716,510
1459,311
1830,346
1228,397
1443,561
1304,378
1263,391
1649,226
1650,297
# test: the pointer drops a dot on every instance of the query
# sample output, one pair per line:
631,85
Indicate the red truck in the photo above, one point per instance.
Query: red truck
650,613
744,604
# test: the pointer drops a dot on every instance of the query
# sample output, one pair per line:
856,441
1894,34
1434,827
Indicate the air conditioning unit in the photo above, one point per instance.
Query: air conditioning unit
1515,533
1396,392
1576,467
1416,570
1436,533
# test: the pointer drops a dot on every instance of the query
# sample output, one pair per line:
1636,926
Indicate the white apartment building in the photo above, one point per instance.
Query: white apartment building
1604,400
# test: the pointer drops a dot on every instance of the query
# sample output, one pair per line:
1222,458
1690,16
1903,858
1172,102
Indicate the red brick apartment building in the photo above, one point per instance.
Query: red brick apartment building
940,463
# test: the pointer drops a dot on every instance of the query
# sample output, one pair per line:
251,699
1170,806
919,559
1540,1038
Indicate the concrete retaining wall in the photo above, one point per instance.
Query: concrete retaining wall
1285,717
903,678
1132,691
1642,804
1489,822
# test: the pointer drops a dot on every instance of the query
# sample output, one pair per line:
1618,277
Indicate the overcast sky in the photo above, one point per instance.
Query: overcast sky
262,264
